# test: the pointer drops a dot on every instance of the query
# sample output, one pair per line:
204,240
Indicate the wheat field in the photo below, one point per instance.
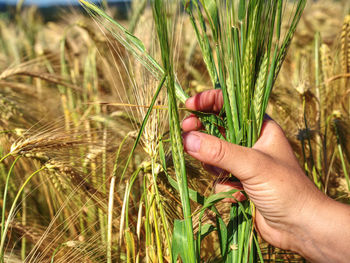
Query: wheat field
88,170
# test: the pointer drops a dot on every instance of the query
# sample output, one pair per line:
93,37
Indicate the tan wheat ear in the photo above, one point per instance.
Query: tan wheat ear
347,20
79,181
327,72
37,146
345,45
8,109
34,69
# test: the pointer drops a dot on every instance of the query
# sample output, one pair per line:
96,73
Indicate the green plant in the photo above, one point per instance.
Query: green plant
183,228
11,214
244,51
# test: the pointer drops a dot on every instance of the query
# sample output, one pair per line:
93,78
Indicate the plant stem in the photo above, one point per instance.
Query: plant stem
160,206
314,171
346,174
110,217
111,201
161,21
5,195
156,230
24,223
139,9
341,154
3,158
318,105
105,4
12,210
19,6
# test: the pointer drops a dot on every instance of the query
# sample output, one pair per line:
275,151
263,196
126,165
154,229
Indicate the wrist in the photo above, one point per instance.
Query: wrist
324,232
308,232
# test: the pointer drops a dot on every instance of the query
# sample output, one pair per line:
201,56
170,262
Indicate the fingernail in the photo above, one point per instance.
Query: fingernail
192,142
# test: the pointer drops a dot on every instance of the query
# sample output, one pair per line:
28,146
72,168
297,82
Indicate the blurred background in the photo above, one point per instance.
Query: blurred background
52,2
52,9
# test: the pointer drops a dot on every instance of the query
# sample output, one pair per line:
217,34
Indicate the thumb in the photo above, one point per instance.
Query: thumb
240,161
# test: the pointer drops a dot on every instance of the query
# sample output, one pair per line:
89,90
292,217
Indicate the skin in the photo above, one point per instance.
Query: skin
292,213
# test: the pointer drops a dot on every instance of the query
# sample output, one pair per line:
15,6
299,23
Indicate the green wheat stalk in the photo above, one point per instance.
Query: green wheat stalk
161,22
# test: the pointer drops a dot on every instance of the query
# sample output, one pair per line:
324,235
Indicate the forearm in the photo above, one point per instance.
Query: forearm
326,237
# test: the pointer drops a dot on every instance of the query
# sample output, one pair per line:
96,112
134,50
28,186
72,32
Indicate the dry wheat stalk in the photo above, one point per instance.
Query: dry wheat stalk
327,72
344,42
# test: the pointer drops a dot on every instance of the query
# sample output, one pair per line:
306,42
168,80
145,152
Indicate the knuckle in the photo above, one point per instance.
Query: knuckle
277,129
217,152
275,135
202,99
218,100
271,134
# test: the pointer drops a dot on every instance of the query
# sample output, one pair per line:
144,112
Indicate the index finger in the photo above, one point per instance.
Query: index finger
207,101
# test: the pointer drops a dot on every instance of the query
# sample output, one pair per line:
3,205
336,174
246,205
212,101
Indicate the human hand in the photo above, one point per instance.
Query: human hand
287,202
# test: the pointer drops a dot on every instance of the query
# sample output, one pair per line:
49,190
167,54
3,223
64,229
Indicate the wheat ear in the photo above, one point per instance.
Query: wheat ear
345,46
326,69
260,87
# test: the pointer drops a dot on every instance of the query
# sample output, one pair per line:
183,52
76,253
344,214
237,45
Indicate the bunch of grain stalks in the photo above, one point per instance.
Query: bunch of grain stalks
100,177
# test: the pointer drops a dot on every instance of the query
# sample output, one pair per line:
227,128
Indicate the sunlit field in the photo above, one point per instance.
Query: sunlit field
92,167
